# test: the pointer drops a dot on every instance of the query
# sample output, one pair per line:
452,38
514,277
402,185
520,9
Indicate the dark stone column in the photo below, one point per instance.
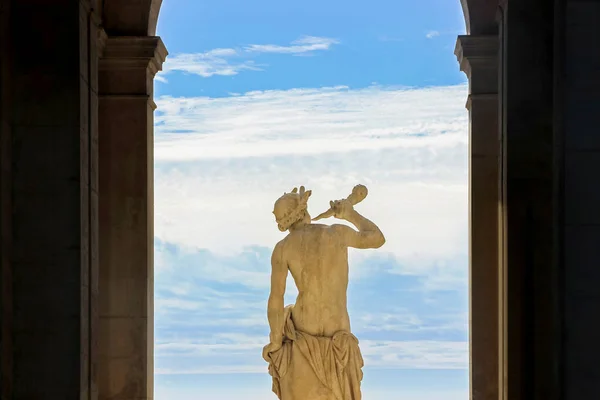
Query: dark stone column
532,202
127,71
52,186
478,58
5,207
581,104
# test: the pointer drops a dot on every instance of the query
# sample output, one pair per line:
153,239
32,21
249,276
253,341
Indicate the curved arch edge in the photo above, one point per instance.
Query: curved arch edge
465,8
124,18
153,17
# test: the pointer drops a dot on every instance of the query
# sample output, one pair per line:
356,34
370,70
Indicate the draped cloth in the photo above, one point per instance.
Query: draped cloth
336,362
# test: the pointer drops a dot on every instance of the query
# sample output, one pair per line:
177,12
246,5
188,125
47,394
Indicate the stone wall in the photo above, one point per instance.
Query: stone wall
531,203
52,127
581,105
5,207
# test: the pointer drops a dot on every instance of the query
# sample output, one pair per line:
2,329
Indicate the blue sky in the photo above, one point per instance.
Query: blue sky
258,97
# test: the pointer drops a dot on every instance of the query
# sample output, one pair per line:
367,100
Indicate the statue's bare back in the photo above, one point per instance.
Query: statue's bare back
307,339
321,276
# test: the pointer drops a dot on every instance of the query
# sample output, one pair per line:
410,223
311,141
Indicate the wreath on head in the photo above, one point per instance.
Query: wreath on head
297,212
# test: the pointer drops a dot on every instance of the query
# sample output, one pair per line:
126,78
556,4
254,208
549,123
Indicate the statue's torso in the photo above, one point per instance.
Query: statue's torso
318,262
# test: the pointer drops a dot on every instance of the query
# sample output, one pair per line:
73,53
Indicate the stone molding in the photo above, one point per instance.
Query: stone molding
102,38
133,52
476,51
481,97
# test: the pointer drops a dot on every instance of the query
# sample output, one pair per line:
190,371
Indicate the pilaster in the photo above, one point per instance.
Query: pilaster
478,58
127,69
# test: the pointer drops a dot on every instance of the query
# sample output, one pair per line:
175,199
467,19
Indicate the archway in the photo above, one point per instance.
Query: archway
55,102
131,55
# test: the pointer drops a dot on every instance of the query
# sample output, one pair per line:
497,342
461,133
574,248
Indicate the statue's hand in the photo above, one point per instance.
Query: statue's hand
341,208
270,348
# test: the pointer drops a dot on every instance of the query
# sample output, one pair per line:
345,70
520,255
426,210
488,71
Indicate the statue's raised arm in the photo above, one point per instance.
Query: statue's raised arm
312,353
369,236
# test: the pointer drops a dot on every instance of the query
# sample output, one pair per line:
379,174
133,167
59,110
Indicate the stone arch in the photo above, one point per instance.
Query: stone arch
129,17
477,53
480,16
465,8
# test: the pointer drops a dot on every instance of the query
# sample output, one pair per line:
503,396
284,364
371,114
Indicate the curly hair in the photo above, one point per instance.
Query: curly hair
296,206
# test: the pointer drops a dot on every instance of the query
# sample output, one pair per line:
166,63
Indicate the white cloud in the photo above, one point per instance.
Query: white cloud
207,355
220,165
424,354
310,121
216,182
432,34
208,323
232,61
406,321
306,44
160,78
213,62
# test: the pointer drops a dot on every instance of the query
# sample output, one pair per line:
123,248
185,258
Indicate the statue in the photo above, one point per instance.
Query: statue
312,353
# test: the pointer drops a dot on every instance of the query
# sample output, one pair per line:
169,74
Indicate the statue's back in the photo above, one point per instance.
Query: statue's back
318,262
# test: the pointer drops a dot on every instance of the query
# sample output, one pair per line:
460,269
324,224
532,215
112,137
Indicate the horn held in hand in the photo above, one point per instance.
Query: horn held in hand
359,193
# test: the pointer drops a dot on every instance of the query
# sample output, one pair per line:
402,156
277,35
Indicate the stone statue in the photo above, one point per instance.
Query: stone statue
312,353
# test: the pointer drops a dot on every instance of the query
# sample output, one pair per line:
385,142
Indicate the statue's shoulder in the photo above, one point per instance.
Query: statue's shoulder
279,245
338,227
278,250
282,246
327,229
322,226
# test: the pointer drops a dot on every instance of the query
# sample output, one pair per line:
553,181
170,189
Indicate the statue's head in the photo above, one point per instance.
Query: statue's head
291,209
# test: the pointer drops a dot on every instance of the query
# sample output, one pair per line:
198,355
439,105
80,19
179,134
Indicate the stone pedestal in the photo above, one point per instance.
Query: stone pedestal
478,58
127,69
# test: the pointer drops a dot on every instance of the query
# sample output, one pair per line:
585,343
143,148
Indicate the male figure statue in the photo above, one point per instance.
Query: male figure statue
312,354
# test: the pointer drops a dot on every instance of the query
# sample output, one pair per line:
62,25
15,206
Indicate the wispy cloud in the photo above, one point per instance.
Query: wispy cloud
426,354
221,163
232,61
379,354
211,318
403,321
432,34
215,62
309,121
306,44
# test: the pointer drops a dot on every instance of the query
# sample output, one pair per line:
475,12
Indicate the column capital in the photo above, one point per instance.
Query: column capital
478,58
133,52
474,51
129,64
